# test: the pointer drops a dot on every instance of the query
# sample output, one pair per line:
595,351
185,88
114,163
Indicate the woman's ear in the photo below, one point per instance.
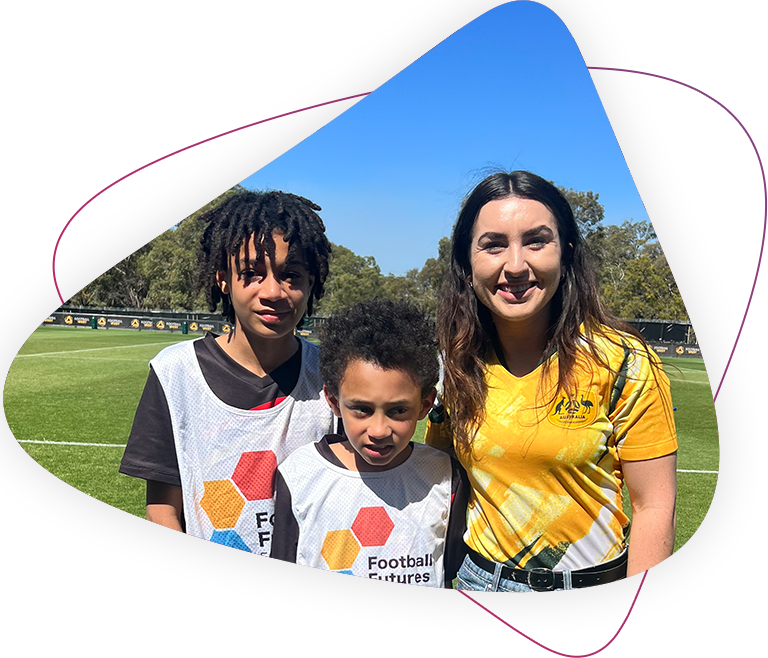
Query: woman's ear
222,280
333,401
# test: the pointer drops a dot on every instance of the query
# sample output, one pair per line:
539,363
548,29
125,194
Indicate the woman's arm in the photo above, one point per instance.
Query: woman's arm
164,504
652,486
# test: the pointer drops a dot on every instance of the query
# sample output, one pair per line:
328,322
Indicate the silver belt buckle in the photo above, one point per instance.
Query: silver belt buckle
540,571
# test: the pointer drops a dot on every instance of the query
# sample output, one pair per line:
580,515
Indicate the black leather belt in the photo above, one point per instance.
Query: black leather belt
541,579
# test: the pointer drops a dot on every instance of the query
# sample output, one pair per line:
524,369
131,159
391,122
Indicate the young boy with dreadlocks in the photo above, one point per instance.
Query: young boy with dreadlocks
373,503
218,414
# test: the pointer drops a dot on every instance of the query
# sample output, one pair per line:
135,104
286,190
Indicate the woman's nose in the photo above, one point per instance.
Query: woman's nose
516,264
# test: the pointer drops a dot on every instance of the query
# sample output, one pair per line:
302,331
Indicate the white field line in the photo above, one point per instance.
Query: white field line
93,349
122,445
73,443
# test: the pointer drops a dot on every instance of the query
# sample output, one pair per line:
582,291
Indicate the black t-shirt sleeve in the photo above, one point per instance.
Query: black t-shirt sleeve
151,452
285,536
455,548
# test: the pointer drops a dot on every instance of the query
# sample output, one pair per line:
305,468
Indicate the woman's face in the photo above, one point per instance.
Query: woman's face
516,259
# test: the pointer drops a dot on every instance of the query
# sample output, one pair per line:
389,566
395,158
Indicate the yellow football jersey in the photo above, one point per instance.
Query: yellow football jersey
546,473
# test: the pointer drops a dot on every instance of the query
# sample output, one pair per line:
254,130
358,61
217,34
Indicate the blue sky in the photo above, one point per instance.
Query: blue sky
509,90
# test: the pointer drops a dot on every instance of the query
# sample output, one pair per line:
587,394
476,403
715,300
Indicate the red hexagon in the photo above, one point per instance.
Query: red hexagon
255,474
372,526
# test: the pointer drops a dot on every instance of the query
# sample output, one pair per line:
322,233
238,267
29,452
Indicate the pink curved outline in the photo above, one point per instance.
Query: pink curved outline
722,379
765,196
595,68
539,644
165,157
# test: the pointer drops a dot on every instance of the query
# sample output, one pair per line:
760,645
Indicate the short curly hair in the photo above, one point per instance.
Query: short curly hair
387,334
245,215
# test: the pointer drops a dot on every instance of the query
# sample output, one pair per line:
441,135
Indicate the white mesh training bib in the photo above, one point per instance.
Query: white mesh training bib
228,456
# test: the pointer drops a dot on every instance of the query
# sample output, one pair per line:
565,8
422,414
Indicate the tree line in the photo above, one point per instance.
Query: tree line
635,279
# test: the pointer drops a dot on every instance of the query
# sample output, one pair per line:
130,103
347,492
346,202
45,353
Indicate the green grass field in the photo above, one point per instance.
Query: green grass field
74,386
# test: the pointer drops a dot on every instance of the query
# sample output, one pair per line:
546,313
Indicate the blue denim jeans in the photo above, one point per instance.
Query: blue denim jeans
474,578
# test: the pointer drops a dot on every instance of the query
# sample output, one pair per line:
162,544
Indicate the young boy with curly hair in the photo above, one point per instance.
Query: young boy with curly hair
219,413
373,503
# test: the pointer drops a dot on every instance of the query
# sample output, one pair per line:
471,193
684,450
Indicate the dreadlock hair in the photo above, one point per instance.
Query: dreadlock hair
387,334
465,327
245,215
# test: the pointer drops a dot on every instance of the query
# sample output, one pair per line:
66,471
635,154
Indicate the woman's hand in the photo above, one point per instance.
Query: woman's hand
652,486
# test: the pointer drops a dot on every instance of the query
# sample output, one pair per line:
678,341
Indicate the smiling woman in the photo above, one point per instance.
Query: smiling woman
516,264
552,403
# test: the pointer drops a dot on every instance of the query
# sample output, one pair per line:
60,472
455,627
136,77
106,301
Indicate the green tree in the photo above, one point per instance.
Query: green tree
171,267
587,210
123,285
160,275
404,288
351,279
431,276
635,278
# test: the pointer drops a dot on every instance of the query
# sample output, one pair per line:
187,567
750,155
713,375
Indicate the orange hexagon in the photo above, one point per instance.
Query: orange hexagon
340,549
222,503
372,526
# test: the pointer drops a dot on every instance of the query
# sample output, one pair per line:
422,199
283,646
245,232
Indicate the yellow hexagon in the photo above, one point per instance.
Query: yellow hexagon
340,549
222,503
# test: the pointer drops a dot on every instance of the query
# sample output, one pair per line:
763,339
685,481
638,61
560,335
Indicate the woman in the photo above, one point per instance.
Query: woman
552,402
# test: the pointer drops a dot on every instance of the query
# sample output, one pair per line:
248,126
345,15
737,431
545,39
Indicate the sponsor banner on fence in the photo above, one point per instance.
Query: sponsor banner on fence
137,323
676,349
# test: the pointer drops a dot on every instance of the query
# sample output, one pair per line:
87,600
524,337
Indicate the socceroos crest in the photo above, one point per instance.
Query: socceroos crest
573,411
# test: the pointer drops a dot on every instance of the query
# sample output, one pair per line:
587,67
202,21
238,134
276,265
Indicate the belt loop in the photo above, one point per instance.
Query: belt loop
567,581
496,577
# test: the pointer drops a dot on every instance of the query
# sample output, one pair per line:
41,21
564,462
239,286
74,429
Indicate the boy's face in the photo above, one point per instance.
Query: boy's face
269,296
380,409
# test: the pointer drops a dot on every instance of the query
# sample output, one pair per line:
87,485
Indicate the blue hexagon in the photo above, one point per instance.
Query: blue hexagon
229,538
347,571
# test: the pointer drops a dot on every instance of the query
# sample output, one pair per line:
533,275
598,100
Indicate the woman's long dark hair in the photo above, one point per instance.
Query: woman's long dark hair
465,327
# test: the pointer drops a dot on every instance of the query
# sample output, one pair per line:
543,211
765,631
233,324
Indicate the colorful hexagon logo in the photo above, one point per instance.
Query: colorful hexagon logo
340,549
255,474
222,503
229,538
372,526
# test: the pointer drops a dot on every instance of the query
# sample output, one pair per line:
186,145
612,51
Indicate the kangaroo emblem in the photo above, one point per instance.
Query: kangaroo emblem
574,410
